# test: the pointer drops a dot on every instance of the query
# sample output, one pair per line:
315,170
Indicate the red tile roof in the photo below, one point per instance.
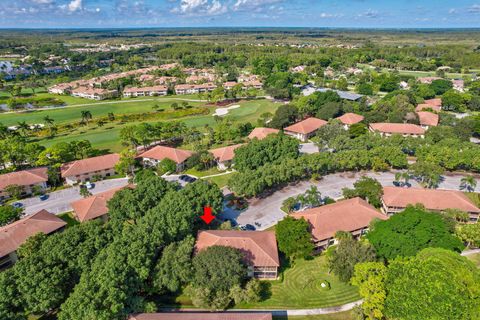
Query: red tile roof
428,118
431,199
15,234
202,316
262,133
306,126
162,152
346,215
350,118
434,102
426,106
225,153
401,128
90,165
259,247
94,206
24,177
145,89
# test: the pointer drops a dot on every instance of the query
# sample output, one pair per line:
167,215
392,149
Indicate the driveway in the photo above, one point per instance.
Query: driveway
59,201
308,148
266,211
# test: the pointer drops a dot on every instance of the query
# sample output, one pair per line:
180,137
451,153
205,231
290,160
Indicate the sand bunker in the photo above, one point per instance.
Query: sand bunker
223,111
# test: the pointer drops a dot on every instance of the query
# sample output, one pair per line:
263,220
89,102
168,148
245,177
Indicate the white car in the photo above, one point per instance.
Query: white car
89,185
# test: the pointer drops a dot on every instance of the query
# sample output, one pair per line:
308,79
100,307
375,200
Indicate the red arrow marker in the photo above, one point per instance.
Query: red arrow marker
207,215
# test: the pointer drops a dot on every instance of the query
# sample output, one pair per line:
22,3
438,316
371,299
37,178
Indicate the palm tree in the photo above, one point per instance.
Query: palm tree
23,127
468,183
48,121
86,115
402,178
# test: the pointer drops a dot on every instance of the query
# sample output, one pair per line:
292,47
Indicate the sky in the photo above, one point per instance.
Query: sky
236,13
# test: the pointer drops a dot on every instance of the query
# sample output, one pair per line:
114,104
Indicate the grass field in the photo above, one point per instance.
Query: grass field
475,258
221,181
474,197
98,109
107,137
203,173
334,316
299,289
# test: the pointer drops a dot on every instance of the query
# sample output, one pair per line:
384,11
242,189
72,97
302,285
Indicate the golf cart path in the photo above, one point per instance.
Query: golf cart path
286,312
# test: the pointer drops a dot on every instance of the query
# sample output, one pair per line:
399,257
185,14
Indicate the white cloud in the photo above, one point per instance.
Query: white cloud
72,6
326,15
474,9
200,7
42,1
369,14
252,4
75,5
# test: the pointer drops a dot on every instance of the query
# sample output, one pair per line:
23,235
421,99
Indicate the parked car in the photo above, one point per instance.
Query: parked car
247,227
187,178
17,205
44,197
89,185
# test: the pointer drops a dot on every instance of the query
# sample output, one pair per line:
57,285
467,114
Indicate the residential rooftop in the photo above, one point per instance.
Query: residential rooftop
345,215
162,152
13,235
259,247
89,165
262,133
431,199
24,178
202,316
306,126
225,153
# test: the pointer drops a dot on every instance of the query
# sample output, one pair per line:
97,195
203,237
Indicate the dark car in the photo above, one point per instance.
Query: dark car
247,227
17,205
44,197
187,178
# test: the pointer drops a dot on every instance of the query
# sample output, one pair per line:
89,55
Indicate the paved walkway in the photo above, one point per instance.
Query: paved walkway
279,313
217,175
470,252
59,201
266,211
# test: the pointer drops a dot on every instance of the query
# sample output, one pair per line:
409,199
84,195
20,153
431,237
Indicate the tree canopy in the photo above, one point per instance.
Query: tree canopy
410,231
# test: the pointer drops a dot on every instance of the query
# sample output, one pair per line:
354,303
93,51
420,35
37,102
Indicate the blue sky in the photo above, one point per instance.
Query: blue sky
210,13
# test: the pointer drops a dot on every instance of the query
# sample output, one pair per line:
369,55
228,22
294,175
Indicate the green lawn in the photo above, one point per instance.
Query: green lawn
475,258
203,173
299,289
97,109
68,218
221,181
474,197
107,137
334,316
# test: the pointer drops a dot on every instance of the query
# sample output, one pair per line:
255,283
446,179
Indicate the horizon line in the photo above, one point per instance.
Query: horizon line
239,27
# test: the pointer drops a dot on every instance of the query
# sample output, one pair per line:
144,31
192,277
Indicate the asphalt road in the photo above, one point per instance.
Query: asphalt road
59,201
266,211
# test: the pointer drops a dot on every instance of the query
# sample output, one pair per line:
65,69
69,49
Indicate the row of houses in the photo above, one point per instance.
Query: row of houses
73,172
198,81
457,84
258,247
162,90
307,128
